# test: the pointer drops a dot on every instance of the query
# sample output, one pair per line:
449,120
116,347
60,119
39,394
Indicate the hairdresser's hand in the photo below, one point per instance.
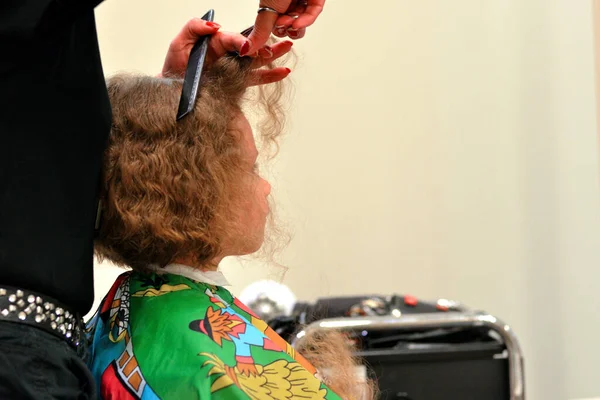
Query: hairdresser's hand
294,16
266,56
220,44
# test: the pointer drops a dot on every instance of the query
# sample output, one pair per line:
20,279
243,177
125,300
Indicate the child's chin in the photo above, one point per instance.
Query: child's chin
251,245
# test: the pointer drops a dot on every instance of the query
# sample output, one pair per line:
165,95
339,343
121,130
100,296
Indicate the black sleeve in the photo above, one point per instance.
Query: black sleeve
24,21
54,122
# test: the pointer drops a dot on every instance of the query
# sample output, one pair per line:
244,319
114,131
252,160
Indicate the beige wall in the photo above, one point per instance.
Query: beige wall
439,148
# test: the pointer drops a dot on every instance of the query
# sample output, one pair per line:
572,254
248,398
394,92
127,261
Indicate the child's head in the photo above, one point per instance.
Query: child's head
186,190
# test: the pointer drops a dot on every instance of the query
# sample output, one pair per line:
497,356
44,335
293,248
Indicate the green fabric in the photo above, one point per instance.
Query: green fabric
168,337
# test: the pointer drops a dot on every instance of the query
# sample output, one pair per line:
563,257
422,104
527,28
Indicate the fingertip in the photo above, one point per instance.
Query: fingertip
280,32
297,26
263,27
304,21
266,52
286,44
213,25
245,49
285,20
301,34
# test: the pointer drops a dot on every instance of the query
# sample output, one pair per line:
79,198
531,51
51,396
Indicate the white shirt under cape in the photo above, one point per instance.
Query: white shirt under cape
215,278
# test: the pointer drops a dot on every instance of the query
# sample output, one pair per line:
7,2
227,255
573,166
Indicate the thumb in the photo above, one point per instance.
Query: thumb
265,22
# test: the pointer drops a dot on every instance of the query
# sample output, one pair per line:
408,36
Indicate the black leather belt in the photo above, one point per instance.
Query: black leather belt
27,307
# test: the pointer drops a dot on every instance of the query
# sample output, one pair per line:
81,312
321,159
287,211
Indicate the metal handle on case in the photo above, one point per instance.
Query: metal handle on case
446,320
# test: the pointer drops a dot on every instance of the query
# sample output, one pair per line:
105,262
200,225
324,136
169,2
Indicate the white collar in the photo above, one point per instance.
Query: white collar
211,277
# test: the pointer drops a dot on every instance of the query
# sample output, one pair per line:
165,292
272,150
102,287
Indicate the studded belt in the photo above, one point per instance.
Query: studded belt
27,307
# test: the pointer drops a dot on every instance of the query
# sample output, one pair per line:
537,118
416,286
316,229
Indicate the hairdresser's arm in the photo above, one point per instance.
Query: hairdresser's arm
293,19
220,44
23,22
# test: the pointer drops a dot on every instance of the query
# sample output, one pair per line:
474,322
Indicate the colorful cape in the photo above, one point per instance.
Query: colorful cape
164,336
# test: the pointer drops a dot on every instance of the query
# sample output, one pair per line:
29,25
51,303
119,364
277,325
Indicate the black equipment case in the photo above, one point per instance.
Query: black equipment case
421,350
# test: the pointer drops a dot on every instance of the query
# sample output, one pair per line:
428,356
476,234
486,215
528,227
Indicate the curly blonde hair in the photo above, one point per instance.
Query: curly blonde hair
170,189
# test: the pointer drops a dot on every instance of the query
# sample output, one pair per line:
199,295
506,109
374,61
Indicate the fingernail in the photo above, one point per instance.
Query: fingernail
245,48
279,26
213,25
267,52
292,33
288,70
280,32
294,15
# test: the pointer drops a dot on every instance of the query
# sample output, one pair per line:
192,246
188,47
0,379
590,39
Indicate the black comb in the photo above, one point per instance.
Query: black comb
193,72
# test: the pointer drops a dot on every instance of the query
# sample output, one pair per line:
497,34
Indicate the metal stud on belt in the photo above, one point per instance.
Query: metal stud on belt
18,305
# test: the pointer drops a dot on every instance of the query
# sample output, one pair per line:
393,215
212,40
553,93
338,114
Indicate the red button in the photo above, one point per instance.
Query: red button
410,301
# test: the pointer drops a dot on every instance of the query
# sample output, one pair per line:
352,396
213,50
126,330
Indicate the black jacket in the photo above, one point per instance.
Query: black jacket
54,122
